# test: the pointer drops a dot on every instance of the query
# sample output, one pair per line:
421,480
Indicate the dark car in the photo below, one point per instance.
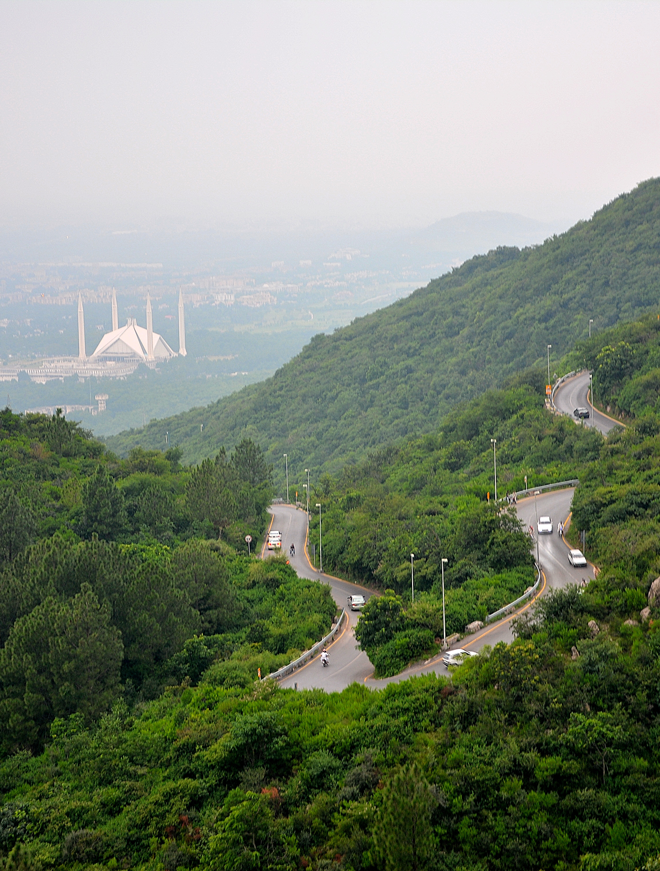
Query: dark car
581,412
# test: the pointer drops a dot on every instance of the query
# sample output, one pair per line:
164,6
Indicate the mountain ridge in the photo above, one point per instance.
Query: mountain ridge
398,370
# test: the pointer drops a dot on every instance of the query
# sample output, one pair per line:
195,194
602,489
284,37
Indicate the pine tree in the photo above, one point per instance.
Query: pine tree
404,833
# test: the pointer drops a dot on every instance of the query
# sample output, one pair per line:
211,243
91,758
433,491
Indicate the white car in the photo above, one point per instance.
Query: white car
356,603
577,559
544,526
274,540
456,657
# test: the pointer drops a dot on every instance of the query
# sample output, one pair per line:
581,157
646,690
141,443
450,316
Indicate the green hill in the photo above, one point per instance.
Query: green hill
398,371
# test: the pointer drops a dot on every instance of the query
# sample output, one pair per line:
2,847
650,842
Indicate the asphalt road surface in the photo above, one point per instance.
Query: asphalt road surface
348,664
573,394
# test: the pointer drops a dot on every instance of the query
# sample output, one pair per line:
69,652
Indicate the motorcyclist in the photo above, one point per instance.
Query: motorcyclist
292,549
324,657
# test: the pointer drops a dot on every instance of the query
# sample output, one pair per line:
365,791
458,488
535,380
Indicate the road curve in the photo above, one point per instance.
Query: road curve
348,664
574,393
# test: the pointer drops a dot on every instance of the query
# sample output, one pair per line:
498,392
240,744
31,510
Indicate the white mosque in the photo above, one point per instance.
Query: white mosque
131,343
117,355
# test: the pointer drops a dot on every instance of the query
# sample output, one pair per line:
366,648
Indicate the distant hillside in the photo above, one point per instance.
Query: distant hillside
398,371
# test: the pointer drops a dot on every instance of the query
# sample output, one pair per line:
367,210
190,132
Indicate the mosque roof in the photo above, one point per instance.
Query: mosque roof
131,341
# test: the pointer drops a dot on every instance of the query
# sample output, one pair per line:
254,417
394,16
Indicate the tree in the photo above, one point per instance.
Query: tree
404,834
249,464
249,838
61,658
381,619
104,512
210,493
17,525
202,574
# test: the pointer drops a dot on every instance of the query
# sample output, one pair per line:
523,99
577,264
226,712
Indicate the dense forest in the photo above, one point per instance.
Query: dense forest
398,371
121,577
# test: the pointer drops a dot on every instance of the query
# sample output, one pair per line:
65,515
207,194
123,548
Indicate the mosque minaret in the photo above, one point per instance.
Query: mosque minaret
81,330
182,327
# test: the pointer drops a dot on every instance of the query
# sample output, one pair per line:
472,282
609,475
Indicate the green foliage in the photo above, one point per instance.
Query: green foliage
404,831
61,659
17,525
104,514
406,646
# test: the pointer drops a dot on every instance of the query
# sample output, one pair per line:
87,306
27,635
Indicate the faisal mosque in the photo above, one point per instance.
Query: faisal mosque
117,355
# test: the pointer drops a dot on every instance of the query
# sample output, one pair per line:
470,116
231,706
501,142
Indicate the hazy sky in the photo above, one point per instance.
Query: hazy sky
362,111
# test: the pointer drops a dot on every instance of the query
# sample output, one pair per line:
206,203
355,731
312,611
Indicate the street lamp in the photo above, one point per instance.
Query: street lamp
444,625
493,443
591,320
286,466
167,437
549,346
412,576
307,500
318,505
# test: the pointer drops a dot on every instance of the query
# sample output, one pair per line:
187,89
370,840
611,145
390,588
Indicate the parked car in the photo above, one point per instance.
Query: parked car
581,412
577,559
356,602
456,657
544,526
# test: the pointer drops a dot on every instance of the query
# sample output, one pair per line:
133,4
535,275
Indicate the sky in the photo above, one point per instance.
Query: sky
359,112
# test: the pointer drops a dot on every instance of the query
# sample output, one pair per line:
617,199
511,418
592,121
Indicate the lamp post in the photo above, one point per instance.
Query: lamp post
318,505
494,443
412,576
307,500
167,437
286,466
591,320
549,346
444,625
307,470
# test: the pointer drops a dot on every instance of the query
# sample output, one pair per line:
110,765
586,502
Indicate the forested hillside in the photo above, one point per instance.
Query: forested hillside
398,371
118,578
542,754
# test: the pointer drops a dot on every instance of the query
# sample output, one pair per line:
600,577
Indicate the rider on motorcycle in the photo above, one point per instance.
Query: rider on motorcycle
292,549
324,657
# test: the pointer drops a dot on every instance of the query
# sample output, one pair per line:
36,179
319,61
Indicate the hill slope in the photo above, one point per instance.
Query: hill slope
399,370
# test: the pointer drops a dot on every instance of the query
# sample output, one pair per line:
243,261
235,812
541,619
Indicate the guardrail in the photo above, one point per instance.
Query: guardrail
559,382
513,605
558,485
286,670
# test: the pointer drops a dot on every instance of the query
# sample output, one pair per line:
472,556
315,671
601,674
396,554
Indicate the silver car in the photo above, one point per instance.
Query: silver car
577,559
456,657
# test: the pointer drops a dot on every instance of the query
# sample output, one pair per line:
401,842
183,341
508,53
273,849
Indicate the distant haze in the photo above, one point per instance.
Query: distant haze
345,112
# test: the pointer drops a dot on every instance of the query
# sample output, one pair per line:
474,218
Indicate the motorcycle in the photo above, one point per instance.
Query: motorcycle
324,659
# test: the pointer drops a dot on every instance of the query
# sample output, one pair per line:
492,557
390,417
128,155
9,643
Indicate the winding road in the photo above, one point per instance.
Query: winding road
347,663
574,393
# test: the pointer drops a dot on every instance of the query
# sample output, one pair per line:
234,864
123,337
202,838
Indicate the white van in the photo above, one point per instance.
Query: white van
356,603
